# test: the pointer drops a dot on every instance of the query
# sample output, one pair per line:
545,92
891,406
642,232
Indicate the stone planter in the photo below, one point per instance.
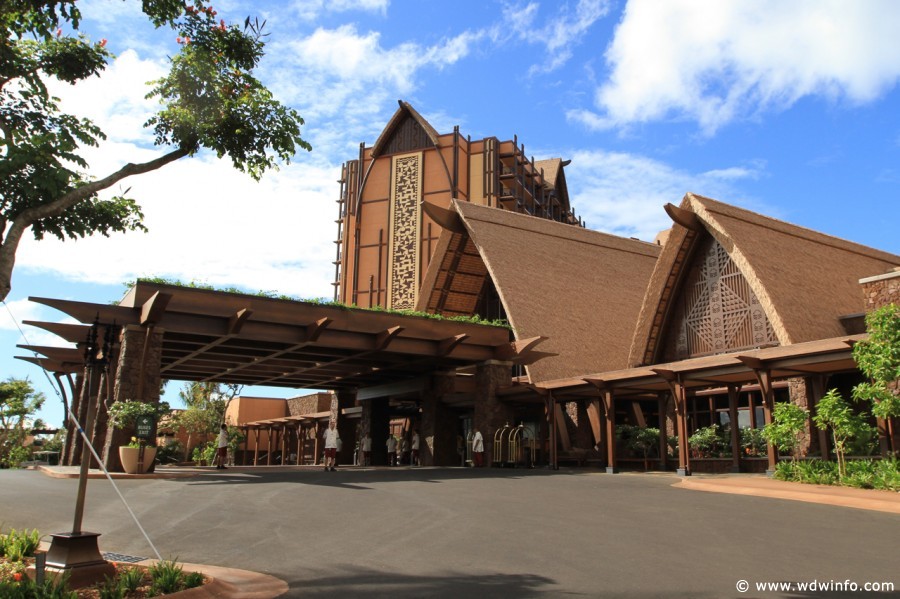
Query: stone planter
129,459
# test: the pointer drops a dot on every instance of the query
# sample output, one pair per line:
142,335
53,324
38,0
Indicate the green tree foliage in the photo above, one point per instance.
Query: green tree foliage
879,359
18,403
209,99
205,408
787,426
833,412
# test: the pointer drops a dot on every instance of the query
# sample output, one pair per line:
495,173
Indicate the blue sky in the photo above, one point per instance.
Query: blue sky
787,108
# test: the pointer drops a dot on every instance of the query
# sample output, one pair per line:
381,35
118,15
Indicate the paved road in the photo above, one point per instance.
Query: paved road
466,533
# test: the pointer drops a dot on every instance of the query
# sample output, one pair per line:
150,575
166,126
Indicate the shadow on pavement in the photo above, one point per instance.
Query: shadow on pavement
357,582
358,478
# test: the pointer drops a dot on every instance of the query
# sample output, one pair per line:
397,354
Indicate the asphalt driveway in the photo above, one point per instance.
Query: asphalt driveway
466,533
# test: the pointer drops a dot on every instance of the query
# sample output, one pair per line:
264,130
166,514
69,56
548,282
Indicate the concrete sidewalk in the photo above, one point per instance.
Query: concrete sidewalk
762,486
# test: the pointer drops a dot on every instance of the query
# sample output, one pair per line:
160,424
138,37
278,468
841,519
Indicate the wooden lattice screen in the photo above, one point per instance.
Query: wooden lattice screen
717,311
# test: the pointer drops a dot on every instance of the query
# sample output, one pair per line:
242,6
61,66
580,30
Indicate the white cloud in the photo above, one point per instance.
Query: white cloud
207,221
558,33
624,194
116,100
312,9
713,62
341,80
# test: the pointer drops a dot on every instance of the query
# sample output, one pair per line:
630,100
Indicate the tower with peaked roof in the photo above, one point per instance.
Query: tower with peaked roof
387,238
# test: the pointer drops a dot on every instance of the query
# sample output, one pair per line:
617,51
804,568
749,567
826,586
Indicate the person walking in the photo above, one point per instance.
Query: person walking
478,449
332,439
415,449
391,445
222,448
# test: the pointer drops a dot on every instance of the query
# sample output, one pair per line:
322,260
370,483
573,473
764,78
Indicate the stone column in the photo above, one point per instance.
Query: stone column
137,378
345,426
490,413
437,434
879,291
375,421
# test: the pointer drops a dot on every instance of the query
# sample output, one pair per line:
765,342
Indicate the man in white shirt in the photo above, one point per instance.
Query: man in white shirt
222,448
391,445
478,449
331,444
415,449
367,449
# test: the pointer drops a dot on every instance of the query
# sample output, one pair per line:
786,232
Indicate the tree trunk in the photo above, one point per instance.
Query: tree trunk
21,222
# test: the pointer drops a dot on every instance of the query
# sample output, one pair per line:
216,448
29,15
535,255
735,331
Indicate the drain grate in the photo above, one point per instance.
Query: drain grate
118,557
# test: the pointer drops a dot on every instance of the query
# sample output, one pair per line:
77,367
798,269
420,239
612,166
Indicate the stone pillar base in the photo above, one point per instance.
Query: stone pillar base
77,555
683,472
612,470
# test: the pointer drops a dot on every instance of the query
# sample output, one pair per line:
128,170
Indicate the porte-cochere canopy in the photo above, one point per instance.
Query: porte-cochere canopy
253,340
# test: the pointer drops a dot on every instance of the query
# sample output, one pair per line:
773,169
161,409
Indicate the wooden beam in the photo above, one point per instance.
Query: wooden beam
314,329
446,219
237,320
154,308
685,218
445,346
384,338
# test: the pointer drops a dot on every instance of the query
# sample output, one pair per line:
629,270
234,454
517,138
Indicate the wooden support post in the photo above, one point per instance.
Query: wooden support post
663,403
733,395
284,436
300,436
594,416
551,421
609,411
764,378
316,445
679,394
817,383
256,449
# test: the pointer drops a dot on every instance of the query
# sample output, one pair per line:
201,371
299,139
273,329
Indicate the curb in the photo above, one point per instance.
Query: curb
880,501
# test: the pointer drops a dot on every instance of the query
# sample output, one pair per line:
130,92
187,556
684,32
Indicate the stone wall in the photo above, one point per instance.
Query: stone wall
137,377
881,290
309,404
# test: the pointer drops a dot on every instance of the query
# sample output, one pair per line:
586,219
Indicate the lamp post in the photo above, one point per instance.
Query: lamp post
77,552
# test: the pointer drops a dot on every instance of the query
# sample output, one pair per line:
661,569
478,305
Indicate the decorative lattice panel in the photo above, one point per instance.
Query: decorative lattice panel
717,311
403,242
409,135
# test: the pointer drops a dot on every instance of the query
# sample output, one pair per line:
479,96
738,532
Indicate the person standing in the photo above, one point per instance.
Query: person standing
391,445
222,448
478,449
332,439
367,449
415,449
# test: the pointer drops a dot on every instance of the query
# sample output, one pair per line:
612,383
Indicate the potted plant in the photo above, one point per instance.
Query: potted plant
124,415
132,460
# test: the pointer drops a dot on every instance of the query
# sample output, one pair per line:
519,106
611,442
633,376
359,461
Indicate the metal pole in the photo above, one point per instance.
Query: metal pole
90,355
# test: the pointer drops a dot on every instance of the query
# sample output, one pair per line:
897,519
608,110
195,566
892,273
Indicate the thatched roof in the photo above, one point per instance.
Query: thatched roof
582,289
805,280
404,111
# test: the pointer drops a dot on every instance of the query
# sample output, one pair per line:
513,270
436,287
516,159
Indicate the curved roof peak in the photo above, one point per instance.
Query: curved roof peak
403,112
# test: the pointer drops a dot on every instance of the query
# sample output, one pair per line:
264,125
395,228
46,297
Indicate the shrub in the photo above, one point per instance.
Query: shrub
752,442
131,579
166,577
18,545
169,453
707,441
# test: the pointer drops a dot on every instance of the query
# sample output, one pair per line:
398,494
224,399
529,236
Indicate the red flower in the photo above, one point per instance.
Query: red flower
17,576
103,43
58,32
